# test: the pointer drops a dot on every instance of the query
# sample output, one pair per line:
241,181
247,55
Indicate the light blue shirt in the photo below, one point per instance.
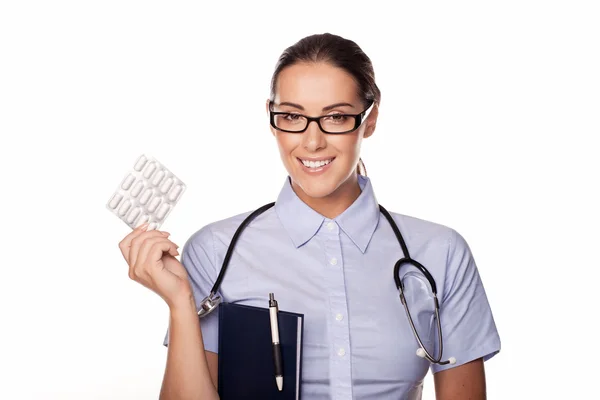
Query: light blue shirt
339,274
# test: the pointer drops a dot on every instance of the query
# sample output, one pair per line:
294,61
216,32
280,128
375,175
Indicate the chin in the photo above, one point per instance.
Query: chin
316,191
316,186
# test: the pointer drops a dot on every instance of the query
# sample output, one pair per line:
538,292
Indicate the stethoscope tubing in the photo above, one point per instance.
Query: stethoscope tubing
211,302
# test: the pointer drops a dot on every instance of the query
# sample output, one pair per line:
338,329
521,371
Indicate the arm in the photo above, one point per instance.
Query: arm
469,330
465,382
191,372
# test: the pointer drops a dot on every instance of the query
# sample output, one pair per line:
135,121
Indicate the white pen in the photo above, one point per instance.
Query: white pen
273,310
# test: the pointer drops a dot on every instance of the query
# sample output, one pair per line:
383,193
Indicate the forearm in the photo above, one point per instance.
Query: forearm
187,375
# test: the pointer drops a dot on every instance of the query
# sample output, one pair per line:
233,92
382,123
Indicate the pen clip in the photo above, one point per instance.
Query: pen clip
272,301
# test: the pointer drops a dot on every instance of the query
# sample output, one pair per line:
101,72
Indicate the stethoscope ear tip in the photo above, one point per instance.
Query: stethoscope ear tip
452,360
421,352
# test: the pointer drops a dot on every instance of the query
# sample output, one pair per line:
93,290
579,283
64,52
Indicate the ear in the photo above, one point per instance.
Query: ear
372,121
267,110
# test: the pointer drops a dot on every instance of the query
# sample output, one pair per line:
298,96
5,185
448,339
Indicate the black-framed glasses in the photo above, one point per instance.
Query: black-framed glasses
332,123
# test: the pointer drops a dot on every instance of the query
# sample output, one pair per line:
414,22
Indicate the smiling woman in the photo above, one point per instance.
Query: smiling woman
326,251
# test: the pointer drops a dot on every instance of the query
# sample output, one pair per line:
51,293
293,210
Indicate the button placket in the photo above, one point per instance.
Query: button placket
339,339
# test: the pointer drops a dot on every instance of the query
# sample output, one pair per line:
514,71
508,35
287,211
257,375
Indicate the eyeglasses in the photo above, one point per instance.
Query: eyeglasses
332,123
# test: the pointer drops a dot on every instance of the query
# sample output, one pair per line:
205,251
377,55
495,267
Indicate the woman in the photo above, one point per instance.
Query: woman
326,251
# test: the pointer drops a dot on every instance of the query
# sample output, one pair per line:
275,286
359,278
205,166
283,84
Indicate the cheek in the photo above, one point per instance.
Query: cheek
287,144
347,145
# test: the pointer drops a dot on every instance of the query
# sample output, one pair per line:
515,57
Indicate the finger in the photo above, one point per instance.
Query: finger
126,242
151,253
140,248
153,249
136,243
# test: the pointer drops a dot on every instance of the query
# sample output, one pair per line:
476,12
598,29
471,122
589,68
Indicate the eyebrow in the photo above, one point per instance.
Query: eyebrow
327,108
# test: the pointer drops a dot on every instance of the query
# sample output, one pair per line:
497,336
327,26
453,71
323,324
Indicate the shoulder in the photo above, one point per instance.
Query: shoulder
429,233
223,230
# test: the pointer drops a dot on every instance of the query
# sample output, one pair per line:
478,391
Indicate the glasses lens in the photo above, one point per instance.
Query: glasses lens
337,123
290,122
421,306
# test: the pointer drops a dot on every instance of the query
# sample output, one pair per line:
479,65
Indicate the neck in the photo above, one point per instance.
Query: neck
335,203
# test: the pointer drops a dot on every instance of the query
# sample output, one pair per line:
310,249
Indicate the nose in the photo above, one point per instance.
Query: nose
313,139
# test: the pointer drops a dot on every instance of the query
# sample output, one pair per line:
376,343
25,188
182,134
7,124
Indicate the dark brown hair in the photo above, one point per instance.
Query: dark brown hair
339,52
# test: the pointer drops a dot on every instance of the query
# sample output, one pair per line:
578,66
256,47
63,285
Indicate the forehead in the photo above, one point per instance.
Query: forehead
315,85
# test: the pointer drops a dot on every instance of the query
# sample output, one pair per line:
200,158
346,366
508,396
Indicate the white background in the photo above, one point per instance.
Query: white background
488,123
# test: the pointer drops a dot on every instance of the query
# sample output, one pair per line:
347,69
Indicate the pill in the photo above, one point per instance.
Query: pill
127,182
133,214
153,204
175,193
146,195
140,163
137,188
167,185
162,211
143,219
116,199
124,207
149,170
158,178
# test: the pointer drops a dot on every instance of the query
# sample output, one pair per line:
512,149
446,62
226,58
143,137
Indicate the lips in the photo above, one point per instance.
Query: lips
315,166
315,162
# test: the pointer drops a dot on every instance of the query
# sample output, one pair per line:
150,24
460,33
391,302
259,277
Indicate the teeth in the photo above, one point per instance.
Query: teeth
316,164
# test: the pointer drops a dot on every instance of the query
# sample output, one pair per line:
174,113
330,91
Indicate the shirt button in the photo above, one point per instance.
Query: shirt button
330,226
333,261
339,317
341,352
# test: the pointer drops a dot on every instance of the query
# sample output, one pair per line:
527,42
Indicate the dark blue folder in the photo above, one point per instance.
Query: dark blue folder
246,366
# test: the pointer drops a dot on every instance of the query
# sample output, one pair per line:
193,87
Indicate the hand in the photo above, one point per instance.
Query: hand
152,262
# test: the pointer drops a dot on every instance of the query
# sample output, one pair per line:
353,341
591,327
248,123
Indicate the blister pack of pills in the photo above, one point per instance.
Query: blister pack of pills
148,193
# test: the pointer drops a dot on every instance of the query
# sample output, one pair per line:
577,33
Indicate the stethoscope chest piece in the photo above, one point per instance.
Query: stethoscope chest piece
209,304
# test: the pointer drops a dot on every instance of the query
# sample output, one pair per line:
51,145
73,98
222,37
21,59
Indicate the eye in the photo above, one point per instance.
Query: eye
336,118
291,116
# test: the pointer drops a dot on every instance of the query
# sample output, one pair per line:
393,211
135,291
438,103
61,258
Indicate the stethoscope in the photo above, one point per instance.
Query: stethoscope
212,301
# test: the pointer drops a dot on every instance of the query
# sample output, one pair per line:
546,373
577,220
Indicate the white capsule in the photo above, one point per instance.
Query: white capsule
167,185
124,207
160,214
158,177
127,182
149,170
137,188
143,219
140,163
116,199
153,204
133,214
175,193
146,196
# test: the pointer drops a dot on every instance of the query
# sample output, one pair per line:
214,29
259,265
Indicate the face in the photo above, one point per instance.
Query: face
318,163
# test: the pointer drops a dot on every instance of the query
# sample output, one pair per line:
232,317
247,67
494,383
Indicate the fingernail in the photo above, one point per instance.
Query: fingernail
144,226
165,233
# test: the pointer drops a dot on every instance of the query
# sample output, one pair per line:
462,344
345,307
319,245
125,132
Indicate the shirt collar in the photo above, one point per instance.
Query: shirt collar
302,222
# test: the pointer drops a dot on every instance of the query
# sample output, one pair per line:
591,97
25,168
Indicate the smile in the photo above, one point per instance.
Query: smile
316,164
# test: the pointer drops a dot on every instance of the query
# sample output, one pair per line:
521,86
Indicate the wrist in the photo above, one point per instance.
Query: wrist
183,303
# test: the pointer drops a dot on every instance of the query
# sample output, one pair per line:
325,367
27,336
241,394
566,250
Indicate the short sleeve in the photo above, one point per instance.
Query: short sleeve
198,258
468,328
